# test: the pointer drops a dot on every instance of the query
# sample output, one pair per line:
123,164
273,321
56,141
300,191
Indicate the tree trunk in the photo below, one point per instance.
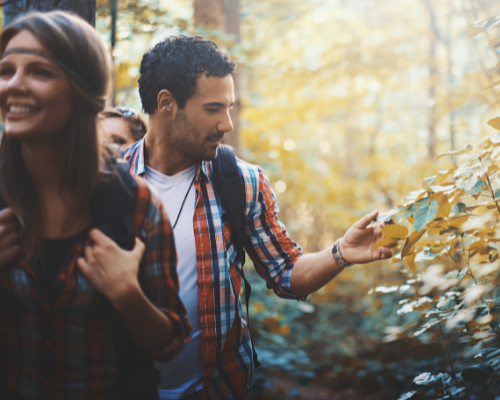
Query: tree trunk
84,8
209,14
433,77
223,15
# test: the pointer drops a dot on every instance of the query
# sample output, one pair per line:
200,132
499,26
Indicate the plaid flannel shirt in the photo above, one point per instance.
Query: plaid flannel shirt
226,345
64,346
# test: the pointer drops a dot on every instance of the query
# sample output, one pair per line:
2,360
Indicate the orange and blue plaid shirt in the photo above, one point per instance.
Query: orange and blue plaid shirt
226,345
64,344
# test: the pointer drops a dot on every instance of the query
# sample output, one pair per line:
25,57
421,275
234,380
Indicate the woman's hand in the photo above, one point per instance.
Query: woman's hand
110,269
113,272
9,237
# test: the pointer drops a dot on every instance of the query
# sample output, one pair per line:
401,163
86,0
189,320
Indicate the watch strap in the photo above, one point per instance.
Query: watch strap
337,255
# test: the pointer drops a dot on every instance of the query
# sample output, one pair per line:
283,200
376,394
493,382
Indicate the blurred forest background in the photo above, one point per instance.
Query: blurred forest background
346,104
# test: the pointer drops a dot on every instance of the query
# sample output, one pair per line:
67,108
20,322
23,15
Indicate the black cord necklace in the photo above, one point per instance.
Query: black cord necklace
183,201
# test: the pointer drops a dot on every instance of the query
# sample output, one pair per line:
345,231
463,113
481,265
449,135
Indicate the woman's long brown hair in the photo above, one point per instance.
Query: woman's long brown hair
75,43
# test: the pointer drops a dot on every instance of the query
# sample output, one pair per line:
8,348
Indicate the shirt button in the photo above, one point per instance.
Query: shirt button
46,307
46,383
48,344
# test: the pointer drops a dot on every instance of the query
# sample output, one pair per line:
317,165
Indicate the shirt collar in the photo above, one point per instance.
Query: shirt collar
139,164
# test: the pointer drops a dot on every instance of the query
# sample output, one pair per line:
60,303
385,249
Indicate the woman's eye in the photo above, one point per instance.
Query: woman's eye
119,142
6,71
43,73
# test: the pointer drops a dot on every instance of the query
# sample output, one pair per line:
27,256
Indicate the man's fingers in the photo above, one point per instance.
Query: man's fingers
383,253
367,220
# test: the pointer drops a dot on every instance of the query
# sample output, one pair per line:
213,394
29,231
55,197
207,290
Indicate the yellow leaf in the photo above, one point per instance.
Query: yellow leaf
384,242
410,260
474,32
496,83
477,245
410,242
495,123
468,149
395,232
457,222
444,207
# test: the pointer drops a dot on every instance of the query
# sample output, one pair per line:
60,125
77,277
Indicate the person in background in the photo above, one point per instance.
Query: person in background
122,126
81,314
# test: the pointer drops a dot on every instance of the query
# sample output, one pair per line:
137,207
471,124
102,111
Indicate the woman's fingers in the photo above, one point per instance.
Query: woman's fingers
9,254
7,215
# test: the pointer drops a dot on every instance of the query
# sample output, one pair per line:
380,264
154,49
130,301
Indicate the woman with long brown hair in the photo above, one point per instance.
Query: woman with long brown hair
81,312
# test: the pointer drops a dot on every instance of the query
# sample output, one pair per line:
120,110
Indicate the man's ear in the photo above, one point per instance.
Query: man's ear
167,105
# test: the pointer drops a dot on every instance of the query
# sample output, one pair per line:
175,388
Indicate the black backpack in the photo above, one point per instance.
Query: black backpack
112,206
230,187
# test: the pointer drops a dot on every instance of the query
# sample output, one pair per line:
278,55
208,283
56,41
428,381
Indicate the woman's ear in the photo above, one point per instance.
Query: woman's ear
167,105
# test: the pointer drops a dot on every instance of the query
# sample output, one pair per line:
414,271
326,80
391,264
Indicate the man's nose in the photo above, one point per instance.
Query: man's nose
226,125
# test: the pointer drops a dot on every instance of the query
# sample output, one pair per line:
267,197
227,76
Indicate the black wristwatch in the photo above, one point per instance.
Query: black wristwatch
337,255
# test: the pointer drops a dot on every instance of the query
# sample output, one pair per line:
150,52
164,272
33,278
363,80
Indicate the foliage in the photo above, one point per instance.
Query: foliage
447,236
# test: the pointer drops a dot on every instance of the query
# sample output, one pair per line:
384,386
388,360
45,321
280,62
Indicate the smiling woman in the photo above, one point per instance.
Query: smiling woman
81,314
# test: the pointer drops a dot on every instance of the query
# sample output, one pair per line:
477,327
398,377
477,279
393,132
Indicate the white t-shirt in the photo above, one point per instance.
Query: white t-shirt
184,374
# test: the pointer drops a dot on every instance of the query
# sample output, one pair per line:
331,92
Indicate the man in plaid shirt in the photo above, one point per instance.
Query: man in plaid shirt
186,87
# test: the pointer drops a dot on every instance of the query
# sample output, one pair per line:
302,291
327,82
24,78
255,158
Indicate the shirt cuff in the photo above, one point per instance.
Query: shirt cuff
285,287
181,327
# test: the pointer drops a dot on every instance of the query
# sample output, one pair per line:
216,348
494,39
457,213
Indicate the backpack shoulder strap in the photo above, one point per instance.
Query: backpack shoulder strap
230,187
113,204
231,190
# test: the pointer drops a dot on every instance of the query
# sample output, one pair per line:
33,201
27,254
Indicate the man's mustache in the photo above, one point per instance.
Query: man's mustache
216,136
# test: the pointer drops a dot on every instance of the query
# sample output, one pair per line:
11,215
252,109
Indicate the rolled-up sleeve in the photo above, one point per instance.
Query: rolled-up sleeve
158,270
269,245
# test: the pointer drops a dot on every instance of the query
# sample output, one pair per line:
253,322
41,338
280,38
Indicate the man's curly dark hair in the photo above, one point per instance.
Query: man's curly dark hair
175,64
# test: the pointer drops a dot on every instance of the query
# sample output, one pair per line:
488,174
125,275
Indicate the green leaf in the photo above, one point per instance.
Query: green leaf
468,184
497,194
385,217
432,211
478,187
458,208
410,211
491,23
420,219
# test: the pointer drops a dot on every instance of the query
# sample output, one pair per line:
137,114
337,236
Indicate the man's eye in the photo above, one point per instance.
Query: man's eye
212,110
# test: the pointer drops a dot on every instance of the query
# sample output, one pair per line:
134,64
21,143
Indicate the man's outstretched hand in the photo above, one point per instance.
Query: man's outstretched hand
356,245
9,237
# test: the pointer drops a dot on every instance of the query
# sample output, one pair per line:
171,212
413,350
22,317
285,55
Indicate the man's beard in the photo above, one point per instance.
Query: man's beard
186,138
